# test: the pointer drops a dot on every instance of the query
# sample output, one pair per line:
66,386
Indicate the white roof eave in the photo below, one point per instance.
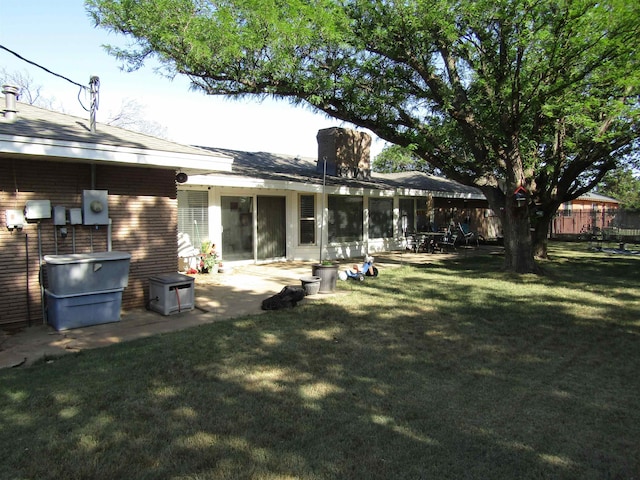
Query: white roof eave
212,180
43,147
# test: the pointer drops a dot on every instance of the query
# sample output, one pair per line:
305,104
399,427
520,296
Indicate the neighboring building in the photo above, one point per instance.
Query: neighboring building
48,156
588,214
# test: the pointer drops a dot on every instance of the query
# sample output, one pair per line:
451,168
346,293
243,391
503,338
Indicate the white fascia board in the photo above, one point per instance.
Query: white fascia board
369,192
42,147
213,180
411,192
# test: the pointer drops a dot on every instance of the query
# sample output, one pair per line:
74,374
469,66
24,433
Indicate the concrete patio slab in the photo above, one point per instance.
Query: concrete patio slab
218,297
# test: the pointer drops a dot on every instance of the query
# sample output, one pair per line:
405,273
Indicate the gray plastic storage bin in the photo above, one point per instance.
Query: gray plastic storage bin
74,311
87,272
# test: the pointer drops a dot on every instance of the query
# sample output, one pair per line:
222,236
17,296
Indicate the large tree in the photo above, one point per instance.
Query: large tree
623,185
498,94
394,158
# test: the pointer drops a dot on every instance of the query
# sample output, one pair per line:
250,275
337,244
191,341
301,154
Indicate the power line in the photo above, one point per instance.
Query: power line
43,68
94,82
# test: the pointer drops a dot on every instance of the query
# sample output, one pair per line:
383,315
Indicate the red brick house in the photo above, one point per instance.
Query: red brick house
587,214
52,158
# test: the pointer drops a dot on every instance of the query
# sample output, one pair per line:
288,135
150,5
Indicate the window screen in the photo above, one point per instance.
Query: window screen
380,218
193,217
345,218
307,219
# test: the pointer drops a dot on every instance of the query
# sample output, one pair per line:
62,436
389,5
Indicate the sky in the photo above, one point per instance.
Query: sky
60,36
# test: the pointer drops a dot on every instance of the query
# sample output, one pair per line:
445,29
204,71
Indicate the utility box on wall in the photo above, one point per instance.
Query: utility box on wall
59,215
95,207
75,216
37,209
14,218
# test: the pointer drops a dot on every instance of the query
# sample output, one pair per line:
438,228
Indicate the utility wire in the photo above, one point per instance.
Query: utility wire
43,68
94,86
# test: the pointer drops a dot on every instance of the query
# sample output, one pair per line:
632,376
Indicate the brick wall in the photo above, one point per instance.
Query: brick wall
347,153
143,209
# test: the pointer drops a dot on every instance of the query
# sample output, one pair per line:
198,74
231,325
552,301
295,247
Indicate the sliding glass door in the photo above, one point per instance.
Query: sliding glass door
237,228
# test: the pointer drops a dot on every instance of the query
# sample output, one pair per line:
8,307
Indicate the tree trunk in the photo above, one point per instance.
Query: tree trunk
540,235
518,243
516,229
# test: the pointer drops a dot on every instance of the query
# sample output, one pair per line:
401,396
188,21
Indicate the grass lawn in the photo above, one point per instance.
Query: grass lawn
448,370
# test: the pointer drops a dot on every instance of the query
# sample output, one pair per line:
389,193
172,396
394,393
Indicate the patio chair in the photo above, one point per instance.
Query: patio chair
417,243
423,244
187,253
467,236
411,243
449,240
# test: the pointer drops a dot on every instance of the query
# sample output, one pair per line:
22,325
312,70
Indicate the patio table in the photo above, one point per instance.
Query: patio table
432,240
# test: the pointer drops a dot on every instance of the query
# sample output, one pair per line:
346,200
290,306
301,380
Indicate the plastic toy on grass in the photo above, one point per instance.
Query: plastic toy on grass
358,273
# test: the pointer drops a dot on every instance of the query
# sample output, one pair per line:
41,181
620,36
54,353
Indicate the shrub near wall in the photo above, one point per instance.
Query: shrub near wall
143,209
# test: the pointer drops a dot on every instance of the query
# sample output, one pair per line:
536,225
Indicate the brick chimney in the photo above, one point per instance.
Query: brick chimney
347,153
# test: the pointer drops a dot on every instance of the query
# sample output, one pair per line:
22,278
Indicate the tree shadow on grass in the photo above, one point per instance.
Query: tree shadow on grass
333,394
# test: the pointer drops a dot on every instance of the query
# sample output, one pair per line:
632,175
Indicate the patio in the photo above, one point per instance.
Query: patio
218,297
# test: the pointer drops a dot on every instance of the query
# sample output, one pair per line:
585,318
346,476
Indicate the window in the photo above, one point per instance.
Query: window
566,209
380,218
345,218
193,217
307,214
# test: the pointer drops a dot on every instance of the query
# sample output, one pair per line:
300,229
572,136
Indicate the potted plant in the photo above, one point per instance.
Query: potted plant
327,270
208,258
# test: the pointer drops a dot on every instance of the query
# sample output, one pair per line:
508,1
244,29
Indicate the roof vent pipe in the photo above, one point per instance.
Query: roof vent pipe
10,108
